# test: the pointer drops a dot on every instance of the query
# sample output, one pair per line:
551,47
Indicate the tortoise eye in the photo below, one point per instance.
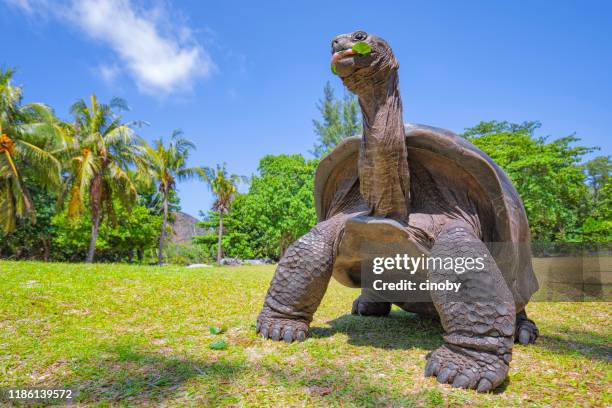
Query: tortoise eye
359,35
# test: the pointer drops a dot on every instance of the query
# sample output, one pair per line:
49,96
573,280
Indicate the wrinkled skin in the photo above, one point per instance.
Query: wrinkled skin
481,322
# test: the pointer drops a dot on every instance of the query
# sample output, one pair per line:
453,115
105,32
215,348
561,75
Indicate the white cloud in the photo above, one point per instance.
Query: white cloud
38,8
24,5
108,73
161,55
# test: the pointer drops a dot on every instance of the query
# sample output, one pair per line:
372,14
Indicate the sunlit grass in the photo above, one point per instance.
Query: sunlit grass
138,335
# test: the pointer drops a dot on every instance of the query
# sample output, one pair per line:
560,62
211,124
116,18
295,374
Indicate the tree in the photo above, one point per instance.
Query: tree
223,185
116,242
149,197
136,233
547,174
29,137
277,209
165,165
32,240
340,119
102,148
598,174
598,226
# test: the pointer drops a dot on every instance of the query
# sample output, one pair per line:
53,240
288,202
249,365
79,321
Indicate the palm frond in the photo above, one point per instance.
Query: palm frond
222,184
16,201
186,174
85,169
119,104
79,109
43,164
123,185
119,135
7,208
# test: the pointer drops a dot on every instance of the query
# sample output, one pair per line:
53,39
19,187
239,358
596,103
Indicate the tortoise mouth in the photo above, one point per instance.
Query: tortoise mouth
337,56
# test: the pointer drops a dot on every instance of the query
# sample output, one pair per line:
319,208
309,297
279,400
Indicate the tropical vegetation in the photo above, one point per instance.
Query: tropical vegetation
339,119
64,185
101,148
560,190
28,147
165,165
224,186
277,209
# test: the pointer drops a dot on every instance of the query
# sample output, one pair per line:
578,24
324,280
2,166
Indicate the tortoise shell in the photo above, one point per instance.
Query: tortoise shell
458,165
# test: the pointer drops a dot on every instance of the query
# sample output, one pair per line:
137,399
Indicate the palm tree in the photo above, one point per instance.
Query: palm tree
224,187
165,165
29,139
102,149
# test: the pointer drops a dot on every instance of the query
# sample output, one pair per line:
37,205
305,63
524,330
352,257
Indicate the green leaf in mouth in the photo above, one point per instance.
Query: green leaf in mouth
362,48
333,69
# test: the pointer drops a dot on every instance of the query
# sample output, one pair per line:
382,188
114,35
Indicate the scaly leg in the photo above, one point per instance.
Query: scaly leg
479,320
300,282
369,308
526,330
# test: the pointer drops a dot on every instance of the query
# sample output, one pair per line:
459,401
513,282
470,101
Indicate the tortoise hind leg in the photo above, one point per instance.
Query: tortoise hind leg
299,283
479,319
369,308
526,330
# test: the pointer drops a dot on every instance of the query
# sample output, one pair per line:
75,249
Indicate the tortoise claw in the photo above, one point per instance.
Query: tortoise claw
279,328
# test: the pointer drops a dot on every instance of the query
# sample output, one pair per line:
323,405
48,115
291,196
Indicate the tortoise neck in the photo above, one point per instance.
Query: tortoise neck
381,107
383,159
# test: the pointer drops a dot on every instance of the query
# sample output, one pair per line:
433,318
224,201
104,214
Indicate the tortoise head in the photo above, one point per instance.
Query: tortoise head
362,60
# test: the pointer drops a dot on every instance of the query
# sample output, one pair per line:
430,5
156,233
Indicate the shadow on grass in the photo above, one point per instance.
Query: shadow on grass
331,387
123,375
399,330
594,346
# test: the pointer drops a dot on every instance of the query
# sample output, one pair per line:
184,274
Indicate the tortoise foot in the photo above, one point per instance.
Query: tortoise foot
526,330
466,368
279,328
363,308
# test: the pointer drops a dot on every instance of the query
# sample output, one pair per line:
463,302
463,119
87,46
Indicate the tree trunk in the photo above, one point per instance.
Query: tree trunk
95,204
95,227
219,249
162,236
46,249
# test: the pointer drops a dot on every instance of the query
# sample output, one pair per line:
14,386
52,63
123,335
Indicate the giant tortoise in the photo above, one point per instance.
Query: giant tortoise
429,191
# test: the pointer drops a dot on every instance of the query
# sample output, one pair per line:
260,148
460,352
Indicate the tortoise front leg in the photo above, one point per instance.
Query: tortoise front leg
479,320
299,283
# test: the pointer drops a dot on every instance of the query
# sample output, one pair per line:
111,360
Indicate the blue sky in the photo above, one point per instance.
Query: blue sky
241,79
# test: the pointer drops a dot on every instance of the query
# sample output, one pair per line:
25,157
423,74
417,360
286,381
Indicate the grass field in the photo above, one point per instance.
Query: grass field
139,336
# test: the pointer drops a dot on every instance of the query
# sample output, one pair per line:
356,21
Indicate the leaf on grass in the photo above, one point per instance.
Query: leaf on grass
218,345
362,48
216,329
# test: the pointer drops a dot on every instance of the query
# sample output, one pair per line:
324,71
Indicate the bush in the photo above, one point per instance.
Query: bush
127,240
186,254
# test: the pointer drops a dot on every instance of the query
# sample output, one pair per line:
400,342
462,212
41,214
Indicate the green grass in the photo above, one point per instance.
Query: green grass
138,336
